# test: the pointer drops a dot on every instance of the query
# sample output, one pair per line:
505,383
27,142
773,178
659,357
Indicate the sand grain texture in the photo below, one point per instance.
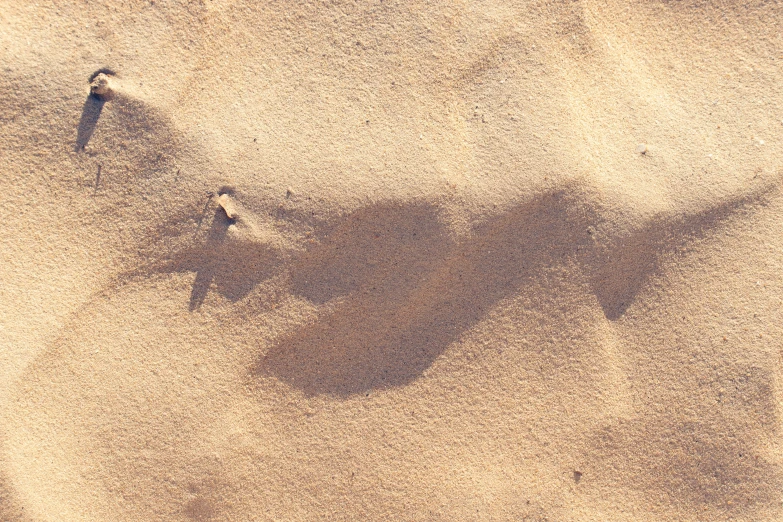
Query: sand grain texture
391,261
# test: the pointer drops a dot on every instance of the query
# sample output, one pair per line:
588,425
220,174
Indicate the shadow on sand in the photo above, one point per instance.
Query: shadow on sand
401,291
395,291
91,112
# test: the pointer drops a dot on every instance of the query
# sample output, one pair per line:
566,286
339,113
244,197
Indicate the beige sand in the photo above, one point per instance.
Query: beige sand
391,261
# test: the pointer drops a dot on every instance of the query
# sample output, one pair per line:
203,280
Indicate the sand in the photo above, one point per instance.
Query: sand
391,261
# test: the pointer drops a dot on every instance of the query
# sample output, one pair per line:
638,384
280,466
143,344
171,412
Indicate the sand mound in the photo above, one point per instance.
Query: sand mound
391,261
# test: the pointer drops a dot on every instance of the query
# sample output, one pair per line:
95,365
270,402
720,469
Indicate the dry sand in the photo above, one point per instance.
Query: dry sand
388,260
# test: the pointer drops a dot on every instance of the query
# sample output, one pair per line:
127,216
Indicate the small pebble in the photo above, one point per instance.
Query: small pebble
101,85
641,148
225,201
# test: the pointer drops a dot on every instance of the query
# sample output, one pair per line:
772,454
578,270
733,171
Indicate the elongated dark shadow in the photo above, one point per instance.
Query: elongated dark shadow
91,111
634,259
206,271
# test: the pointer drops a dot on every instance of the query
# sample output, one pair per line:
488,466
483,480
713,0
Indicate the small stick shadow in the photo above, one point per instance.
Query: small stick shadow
203,213
91,111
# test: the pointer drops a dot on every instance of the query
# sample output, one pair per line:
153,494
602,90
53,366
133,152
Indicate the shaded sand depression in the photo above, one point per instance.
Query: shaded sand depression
391,261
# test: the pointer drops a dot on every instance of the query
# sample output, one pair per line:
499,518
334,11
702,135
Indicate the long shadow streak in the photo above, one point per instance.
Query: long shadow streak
91,111
624,269
206,272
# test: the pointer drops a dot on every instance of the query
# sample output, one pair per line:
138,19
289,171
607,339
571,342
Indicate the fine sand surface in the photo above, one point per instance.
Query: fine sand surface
385,260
